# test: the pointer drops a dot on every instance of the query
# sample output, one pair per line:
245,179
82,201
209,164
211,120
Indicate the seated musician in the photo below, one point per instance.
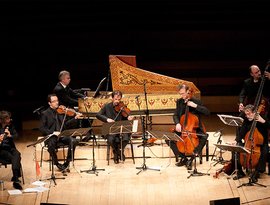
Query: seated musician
195,107
110,112
262,125
52,122
8,150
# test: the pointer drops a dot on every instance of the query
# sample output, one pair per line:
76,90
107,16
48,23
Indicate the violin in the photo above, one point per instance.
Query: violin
68,111
121,107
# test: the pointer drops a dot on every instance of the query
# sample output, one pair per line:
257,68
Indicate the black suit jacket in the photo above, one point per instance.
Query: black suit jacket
48,121
181,107
108,111
66,96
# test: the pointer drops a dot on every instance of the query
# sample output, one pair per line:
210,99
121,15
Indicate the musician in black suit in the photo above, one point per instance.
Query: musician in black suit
196,108
67,96
251,86
8,150
109,113
260,147
52,124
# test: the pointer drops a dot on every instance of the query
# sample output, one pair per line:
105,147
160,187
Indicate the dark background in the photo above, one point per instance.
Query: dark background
211,43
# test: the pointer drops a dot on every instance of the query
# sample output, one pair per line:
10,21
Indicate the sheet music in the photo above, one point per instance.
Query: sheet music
231,120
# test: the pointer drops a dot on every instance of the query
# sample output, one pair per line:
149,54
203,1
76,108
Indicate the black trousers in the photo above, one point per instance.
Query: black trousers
12,156
53,142
115,141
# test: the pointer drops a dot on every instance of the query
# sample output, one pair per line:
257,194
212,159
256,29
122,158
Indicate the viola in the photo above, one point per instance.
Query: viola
68,111
121,107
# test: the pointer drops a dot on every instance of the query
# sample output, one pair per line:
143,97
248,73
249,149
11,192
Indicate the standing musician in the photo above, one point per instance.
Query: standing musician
67,96
8,150
111,112
195,107
251,87
262,125
52,122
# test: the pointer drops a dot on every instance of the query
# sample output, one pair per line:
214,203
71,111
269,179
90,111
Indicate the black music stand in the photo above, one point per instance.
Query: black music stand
71,133
119,127
93,169
234,149
144,128
238,149
236,122
231,120
219,141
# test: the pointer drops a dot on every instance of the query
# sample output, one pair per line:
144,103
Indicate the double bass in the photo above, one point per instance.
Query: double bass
253,138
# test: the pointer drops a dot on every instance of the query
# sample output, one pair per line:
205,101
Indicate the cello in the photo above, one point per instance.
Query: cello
188,137
253,138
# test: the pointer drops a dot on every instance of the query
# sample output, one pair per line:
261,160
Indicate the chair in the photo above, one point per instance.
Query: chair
6,163
131,147
200,155
59,146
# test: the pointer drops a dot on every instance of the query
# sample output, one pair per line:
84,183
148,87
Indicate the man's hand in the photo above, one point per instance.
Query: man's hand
110,120
130,117
178,127
260,119
1,137
192,104
56,133
241,107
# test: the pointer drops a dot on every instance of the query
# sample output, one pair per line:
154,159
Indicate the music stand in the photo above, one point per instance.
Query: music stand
231,120
234,149
71,133
120,127
219,141
170,136
93,169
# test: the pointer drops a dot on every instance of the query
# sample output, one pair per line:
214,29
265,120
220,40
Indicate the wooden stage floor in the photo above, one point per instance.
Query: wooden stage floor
121,184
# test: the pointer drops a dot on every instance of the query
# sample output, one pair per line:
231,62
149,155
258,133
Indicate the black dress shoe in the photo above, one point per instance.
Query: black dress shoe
15,179
123,157
17,185
61,167
254,176
66,164
182,162
115,159
189,164
239,176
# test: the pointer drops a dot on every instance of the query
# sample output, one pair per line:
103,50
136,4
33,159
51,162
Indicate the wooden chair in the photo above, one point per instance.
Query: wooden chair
131,147
6,163
45,147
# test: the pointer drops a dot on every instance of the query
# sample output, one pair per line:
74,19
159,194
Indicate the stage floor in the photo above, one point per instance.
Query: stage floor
161,183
